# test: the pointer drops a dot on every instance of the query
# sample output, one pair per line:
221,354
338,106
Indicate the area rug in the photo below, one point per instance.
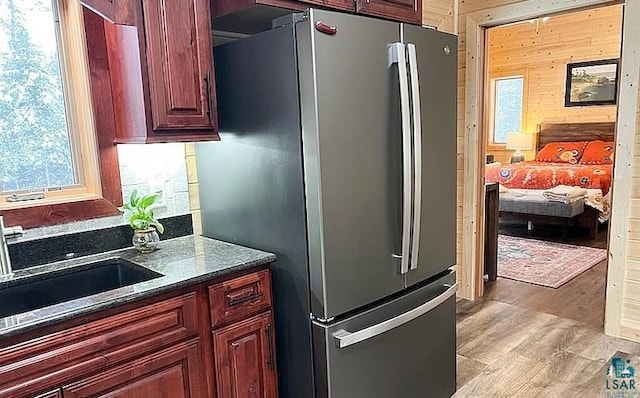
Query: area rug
544,263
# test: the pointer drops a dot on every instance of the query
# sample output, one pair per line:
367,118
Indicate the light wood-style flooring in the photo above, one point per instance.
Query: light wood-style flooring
523,340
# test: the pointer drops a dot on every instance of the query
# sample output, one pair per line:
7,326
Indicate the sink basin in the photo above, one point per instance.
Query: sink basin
59,286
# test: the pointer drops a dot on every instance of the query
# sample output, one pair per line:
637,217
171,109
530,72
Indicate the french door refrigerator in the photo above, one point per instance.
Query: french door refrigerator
338,154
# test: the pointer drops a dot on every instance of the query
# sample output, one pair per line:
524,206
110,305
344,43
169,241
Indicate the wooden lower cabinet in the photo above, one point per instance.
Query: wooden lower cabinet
159,348
245,359
175,372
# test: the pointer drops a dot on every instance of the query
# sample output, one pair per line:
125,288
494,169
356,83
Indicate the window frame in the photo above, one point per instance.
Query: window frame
84,61
491,100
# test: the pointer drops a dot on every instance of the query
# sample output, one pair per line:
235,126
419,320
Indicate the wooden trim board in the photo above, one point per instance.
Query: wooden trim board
473,196
628,122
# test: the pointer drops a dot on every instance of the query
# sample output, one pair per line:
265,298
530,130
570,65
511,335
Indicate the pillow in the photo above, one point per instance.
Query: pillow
561,152
598,152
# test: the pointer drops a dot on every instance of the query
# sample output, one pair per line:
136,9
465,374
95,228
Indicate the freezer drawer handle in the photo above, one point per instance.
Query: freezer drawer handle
345,339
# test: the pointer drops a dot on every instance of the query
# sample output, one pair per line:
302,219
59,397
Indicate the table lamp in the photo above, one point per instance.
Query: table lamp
519,142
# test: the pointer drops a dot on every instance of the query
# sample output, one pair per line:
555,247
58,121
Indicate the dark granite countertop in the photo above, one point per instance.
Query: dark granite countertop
182,262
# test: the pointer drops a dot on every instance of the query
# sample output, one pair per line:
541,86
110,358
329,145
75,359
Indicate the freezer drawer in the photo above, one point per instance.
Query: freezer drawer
402,348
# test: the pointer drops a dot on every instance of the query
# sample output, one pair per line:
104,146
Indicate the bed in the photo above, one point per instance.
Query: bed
533,177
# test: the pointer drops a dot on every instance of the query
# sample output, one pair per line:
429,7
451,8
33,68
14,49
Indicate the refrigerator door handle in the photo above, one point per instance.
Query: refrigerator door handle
397,54
417,154
344,338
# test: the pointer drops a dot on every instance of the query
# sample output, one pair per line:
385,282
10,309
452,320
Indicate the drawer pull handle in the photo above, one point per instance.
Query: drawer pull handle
269,333
251,297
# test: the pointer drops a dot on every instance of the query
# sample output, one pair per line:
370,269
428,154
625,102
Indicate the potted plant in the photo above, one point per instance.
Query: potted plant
145,226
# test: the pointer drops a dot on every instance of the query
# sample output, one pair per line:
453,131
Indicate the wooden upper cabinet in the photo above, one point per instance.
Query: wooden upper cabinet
115,11
179,49
161,73
175,372
245,359
337,4
398,10
224,7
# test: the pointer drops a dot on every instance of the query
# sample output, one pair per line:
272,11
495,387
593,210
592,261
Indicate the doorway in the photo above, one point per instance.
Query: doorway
473,153
552,242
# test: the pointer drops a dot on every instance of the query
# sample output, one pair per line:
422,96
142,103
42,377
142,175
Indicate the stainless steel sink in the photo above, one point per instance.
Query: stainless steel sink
56,287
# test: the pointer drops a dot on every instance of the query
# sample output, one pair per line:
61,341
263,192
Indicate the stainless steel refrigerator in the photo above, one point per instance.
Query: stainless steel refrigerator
338,154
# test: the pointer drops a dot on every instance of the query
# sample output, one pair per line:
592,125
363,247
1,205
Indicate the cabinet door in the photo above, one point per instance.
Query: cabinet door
397,10
338,4
115,11
245,359
180,63
175,372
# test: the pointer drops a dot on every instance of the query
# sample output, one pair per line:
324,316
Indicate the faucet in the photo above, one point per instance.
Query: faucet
6,271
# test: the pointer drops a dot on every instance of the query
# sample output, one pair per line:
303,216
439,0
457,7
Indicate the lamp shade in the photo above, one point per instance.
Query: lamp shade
519,141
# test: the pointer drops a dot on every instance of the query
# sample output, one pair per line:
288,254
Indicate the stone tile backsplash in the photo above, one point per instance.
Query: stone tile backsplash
153,167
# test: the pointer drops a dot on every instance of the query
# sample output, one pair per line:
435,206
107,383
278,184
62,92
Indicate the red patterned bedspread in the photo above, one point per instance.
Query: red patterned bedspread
545,175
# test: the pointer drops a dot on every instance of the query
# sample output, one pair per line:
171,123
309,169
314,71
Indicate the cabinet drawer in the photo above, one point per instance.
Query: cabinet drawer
49,361
238,298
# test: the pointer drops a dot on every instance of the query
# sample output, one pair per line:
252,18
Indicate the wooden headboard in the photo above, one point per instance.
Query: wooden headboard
560,132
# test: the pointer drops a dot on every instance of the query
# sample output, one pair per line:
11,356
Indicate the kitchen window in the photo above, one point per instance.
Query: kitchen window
506,107
48,149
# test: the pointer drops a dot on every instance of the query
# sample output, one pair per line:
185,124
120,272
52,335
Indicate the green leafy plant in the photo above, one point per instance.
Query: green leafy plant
140,211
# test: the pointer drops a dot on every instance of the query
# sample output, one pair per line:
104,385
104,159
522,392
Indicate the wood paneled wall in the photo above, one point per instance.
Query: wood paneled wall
439,13
623,280
630,314
539,50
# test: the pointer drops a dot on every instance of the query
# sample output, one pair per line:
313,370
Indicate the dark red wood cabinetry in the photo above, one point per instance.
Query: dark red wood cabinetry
336,4
51,360
244,349
115,11
223,7
175,372
161,347
398,10
245,358
178,35
239,298
51,394
161,73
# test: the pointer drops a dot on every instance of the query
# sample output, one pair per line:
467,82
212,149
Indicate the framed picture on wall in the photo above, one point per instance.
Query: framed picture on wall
592,83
